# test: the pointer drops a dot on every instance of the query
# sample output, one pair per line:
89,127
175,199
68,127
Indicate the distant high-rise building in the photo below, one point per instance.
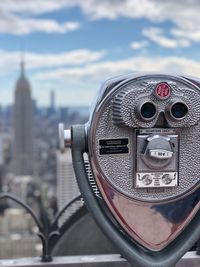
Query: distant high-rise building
23,127
52,100
16,238
67,187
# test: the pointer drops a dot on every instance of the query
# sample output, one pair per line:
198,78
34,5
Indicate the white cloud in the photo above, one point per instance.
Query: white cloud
16,17
85,81
191,35
14,24
178,11
32,7
10,60
94,9
103,70
183,14
156,35
137,45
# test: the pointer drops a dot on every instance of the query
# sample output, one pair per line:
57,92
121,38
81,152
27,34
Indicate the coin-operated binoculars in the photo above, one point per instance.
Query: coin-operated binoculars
143,145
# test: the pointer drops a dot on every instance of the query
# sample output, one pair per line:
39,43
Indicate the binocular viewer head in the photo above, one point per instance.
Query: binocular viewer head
144,138
143,146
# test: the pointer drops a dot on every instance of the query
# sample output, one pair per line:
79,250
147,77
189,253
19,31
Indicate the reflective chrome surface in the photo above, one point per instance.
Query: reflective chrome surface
153,218
152,225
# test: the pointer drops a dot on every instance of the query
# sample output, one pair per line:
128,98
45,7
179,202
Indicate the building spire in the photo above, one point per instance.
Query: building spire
22,62
22,68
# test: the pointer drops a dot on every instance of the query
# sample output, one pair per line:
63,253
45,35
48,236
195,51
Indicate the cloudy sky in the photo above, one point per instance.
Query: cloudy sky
72,46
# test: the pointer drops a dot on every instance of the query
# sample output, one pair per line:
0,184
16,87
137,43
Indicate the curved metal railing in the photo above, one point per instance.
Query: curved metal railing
46,232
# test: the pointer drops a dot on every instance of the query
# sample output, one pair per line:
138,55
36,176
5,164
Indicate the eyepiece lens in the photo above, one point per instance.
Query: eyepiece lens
179,110
148,110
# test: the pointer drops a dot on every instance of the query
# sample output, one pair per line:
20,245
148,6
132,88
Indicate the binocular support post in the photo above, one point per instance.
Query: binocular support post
134,253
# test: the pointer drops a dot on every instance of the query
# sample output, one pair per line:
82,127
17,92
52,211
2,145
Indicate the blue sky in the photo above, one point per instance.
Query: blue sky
72,46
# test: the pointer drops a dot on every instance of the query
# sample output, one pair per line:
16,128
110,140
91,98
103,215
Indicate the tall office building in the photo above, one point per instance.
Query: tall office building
23,127
52,100
67,187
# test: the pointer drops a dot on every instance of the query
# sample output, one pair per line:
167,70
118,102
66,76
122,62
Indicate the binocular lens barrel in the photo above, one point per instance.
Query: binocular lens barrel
148,110
179,110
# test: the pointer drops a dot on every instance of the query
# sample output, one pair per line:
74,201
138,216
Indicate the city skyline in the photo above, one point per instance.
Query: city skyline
73,46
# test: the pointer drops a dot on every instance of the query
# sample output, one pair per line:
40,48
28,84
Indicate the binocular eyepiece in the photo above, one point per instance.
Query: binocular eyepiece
147,111
178,110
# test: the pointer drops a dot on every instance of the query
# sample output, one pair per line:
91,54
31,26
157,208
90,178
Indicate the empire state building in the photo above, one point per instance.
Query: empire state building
23,127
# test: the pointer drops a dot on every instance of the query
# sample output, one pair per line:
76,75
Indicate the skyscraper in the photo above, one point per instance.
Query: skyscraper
67,187
52,100
23,127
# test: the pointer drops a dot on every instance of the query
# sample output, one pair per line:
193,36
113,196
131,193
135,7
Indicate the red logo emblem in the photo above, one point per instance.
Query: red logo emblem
163,90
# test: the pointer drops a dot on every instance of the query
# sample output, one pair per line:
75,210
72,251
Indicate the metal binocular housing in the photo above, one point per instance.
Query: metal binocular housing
143,145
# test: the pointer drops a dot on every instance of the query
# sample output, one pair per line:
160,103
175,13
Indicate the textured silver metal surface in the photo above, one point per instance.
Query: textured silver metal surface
120,170
129,97
153,171
146,163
